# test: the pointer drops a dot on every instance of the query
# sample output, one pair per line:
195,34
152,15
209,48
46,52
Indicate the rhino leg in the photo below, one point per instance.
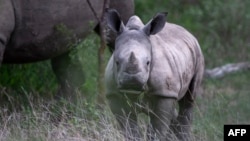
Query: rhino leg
186,105
125,115
162,113
182,126
69,75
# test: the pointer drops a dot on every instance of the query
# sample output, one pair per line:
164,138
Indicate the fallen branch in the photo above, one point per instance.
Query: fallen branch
221,71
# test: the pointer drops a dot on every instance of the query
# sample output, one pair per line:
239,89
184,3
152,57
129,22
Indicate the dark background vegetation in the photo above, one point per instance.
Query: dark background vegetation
222,29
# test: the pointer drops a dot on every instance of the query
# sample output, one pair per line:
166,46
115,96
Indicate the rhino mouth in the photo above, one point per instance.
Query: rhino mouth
130,91
133,90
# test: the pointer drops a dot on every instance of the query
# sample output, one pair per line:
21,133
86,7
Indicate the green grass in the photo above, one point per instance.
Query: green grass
221,26
220,104
224,101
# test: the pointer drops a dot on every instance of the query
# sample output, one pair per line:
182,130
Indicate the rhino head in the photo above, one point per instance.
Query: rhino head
132,54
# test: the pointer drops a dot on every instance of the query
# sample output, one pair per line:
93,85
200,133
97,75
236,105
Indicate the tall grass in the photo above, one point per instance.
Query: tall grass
40,121
49,120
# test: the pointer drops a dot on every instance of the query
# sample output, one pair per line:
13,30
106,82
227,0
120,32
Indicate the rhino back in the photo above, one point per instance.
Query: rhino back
174,58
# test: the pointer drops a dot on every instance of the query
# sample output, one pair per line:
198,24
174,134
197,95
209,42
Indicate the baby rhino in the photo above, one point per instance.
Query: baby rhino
153,66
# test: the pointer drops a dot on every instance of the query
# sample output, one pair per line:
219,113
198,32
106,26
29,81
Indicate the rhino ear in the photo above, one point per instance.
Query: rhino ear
114,21
156,24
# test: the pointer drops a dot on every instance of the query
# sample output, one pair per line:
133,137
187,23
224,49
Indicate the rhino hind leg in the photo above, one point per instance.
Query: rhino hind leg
69,75
182,125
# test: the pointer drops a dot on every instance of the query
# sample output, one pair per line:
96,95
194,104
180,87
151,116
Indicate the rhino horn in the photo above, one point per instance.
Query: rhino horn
132,58
132,67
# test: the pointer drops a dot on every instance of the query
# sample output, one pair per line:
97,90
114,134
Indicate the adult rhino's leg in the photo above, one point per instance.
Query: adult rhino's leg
125,114
162,112
69,74
7,23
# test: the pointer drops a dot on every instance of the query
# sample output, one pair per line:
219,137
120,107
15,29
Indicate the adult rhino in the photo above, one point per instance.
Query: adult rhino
152,67
32,30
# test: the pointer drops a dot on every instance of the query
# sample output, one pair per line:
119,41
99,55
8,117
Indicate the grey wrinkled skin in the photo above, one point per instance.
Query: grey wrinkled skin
160,60
32,30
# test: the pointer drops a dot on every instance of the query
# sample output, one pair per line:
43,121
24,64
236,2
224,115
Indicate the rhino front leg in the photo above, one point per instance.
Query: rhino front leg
162,112
69,75
125,114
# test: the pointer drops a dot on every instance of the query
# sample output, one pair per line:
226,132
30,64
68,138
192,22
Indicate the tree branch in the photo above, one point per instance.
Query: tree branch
93,11
221,71
101,65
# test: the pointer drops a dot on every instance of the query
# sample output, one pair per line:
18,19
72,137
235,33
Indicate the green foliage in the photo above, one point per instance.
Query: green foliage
22,76
224,101
86,52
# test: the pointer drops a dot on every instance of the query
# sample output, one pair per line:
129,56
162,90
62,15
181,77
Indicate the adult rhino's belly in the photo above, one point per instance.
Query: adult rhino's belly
28,45
32,50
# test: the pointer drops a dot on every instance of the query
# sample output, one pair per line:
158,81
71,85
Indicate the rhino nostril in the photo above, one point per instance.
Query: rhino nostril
117,63
148,62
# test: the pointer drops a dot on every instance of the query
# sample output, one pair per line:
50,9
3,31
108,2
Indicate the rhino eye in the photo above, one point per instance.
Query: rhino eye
148,62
